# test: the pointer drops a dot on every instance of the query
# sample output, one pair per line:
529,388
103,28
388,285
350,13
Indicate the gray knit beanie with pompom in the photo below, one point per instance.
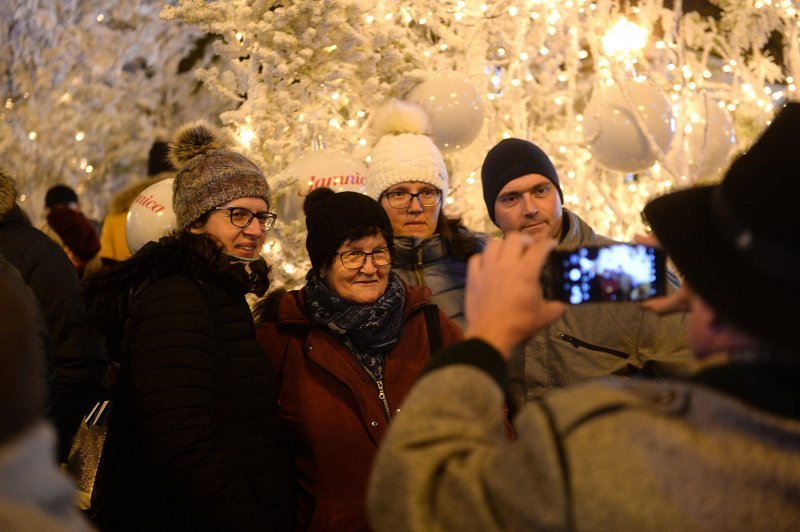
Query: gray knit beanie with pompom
209,173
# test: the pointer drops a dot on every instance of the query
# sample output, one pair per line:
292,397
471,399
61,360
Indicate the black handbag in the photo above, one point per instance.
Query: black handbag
86,451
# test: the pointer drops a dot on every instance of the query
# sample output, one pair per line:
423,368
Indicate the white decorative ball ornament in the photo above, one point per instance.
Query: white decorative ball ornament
150,216
615,137
332,169
455,108
703,146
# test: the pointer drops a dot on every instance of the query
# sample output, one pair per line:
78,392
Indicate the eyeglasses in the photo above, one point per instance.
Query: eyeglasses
400,199
241,217
353,260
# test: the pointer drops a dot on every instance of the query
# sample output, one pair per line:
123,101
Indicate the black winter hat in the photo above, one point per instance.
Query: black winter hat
510,159
330,216
60,195
158,159
738,243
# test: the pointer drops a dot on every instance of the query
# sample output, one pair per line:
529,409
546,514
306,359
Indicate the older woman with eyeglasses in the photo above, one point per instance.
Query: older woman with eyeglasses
345,349
194,441
408,176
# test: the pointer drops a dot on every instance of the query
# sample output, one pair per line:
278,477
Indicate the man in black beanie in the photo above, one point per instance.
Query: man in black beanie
523,193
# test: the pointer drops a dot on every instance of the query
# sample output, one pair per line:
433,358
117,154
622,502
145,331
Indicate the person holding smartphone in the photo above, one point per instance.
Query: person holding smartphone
523,193
719,450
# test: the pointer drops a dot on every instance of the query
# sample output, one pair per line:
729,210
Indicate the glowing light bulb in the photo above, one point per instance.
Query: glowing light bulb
624,38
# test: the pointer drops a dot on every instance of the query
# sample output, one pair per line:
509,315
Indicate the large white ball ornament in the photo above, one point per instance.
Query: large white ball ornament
612,132
150,216
455,107
706,141
332,169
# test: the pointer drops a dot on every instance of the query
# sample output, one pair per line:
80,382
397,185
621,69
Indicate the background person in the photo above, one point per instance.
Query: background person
75,349
346,348
34,493
113,240
408,176
719,451
70,229
194,442
522,192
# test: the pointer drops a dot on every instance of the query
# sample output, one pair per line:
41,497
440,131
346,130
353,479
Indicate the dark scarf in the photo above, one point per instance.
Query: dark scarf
368,331
254,273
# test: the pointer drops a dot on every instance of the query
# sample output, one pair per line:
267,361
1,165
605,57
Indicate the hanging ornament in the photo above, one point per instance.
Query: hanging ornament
455,107
320,168
150,216
625,130
707,138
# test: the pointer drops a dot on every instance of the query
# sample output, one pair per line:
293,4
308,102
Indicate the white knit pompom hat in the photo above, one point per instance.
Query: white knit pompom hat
404,151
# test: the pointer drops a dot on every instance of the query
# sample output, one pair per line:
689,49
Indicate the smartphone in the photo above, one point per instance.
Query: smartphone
609,273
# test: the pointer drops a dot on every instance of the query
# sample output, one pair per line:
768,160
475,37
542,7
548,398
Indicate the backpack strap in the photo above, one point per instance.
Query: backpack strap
434,327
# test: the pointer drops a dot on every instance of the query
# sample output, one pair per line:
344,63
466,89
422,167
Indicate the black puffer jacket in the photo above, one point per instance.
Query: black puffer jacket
193,442
76,350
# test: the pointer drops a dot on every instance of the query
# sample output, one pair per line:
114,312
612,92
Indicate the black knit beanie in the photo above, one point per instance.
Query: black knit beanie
60,195
510,159
330,216
158,159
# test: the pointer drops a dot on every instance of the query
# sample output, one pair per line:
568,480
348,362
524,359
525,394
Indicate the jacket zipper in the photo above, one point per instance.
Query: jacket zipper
384,401
580,343
418,267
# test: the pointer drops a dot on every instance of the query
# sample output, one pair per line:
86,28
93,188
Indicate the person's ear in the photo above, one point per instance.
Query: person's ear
323,271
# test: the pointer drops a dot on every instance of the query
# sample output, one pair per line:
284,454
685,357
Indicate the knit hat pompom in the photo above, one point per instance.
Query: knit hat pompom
314,198
210,173
404,152
196,138
398,117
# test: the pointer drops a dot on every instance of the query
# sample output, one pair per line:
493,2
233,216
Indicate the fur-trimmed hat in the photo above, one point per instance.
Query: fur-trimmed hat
330,216
509,159
404,152
738,242
8,194
209,173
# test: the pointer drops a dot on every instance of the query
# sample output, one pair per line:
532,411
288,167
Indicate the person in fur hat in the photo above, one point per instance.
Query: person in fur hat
74,349
408,177
194,442
113,242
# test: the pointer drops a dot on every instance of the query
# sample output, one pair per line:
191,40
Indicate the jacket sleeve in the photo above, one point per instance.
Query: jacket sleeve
79,358
446,463
171,369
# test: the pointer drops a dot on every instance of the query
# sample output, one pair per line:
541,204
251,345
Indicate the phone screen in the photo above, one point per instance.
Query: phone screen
611,273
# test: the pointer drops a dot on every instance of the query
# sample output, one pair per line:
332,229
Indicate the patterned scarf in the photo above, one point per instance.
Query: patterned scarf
368,331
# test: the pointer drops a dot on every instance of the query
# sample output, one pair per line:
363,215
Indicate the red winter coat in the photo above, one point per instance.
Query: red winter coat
331,406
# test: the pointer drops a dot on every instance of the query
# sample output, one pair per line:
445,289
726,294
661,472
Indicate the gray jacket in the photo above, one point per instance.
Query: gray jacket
598,339
429,262
613,454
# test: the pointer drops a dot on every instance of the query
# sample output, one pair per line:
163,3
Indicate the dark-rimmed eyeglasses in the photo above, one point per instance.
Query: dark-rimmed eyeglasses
400,199
353,260
241,217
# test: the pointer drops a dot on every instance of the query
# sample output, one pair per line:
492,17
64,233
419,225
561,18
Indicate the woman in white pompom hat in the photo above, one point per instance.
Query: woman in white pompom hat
408,177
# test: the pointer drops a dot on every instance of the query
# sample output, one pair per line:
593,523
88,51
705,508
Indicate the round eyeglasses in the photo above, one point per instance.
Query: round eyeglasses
241,217
400,199
353,260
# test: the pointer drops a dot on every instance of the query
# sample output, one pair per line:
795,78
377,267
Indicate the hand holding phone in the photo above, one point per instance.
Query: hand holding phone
608,273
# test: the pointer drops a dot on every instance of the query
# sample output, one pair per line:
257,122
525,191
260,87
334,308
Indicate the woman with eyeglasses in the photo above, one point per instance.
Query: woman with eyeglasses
194,441
408,176
345,349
